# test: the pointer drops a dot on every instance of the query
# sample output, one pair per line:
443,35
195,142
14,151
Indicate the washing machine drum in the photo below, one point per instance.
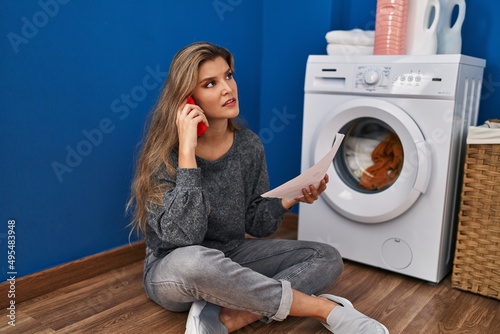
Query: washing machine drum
383,164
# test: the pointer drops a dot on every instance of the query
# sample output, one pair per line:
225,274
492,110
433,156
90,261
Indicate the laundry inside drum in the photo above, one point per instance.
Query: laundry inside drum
372,155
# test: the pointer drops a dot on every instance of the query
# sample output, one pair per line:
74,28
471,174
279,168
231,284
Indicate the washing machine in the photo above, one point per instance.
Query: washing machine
393,197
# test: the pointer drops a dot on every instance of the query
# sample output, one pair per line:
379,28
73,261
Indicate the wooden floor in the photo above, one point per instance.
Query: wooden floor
115,302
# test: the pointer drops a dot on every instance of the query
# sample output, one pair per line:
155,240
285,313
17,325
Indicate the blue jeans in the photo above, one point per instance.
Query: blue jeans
258,276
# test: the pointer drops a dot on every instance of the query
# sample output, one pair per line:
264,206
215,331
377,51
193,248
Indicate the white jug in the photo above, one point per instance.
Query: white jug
450,36
423,18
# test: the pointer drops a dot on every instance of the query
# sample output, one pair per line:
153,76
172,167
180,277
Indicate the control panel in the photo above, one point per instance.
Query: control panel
416,79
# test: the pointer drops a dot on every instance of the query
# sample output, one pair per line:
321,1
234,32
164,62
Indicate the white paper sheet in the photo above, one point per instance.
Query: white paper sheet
313,176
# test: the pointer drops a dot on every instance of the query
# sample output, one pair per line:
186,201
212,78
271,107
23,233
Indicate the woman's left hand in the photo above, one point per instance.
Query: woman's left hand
309,195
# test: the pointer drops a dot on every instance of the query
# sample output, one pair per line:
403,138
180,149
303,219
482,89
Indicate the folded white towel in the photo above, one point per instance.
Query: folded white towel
351,37
491,123
480,135
488,133
348,50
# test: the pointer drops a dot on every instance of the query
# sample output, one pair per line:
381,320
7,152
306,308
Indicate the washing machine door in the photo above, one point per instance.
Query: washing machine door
383,165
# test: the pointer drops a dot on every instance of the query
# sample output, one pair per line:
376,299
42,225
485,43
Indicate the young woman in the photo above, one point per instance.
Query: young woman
195,199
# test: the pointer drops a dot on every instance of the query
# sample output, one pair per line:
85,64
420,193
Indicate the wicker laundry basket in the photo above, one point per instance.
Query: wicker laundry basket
476,266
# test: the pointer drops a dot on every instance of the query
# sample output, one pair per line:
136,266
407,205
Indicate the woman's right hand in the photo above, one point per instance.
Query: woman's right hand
188,117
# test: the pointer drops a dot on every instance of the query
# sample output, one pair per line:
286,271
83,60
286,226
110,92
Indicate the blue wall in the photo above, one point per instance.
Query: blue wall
77,80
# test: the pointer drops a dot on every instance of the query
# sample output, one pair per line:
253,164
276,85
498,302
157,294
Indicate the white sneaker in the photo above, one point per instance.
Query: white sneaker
347,320
203,318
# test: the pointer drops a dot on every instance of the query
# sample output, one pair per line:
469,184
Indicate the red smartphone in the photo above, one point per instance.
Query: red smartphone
201,126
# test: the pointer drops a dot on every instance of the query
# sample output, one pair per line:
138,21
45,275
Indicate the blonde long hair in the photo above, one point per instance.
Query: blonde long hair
161,137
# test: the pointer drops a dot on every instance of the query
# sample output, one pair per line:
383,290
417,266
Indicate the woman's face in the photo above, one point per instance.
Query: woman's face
216,92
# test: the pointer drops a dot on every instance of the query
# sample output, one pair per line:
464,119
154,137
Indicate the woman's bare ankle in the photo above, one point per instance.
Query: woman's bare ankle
236,319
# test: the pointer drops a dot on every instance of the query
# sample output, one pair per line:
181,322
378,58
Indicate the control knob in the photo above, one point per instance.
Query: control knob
371,77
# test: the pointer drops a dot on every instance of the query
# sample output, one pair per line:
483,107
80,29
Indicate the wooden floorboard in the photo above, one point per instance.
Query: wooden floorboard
115,302
46,281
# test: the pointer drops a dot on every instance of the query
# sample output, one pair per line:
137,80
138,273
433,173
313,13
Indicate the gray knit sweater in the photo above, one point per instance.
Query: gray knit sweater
215,204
